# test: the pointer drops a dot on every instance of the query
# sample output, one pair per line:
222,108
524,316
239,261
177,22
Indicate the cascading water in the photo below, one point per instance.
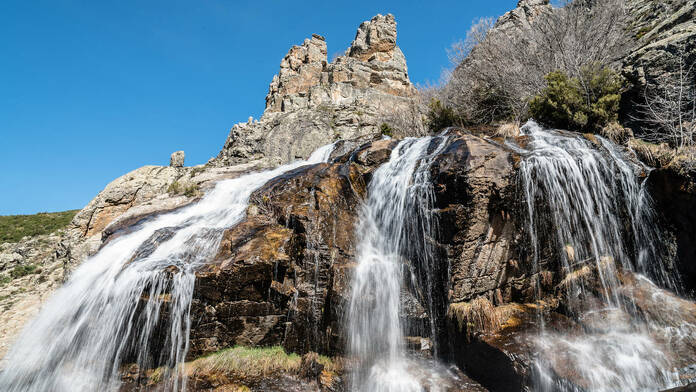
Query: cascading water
114,306
586,203
389,223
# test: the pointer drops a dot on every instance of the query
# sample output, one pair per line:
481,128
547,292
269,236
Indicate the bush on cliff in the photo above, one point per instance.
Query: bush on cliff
190,190
24,270
588,102
440,116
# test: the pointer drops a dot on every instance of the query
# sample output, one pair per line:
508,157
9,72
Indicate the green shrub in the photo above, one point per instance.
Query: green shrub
643,30
176,188
586,103
192,190
386,130
14,227
441,116
4,279
24,270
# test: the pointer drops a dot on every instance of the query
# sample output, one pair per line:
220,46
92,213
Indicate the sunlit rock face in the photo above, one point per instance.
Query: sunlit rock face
312,101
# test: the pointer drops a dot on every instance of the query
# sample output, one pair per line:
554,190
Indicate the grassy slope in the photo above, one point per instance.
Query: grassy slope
14,227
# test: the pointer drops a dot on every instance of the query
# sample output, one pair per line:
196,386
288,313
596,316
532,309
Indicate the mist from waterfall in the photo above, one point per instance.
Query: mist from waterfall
390,225
131,301
585,201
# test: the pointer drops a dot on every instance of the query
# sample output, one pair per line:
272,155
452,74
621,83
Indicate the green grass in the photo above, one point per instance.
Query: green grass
176,188
24,270
249,361
246,363
14,227
386,130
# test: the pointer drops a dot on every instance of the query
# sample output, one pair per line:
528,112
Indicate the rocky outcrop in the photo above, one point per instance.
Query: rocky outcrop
177,159
312,102
150,190
664,31
46,262
523,15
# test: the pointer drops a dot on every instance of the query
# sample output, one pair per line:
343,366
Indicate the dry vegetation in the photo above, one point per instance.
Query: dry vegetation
497,71
669,110
481,316
190,190
246,365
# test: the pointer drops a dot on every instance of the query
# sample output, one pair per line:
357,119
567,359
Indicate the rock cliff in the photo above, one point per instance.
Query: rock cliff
663,31
312,102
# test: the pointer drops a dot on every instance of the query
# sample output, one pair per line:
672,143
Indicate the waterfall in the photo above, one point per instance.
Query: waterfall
390,226
586,205
130,302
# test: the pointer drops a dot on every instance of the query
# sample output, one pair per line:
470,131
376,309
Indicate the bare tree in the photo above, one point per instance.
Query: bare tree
501,65
669,110
476,35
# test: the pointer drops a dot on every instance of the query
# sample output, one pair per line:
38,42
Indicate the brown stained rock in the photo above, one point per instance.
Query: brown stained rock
475,193
280,276
310,368
506,342
376,152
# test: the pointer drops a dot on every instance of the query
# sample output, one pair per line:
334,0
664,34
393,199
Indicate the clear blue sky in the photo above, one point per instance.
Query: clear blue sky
90,90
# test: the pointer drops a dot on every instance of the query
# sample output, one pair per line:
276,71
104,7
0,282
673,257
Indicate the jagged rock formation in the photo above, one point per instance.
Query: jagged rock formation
312,102
177,159
523,15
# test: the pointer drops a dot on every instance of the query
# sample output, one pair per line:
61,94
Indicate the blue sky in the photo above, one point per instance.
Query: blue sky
90,90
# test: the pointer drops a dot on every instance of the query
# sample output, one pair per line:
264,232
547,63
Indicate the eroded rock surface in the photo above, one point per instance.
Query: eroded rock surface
664,32
312,102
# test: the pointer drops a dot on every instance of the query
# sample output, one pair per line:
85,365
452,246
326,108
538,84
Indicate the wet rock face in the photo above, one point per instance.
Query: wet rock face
674,195
281,275
475,194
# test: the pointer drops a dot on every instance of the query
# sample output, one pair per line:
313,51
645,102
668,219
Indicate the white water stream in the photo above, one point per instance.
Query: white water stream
110,310
585,199
374,326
